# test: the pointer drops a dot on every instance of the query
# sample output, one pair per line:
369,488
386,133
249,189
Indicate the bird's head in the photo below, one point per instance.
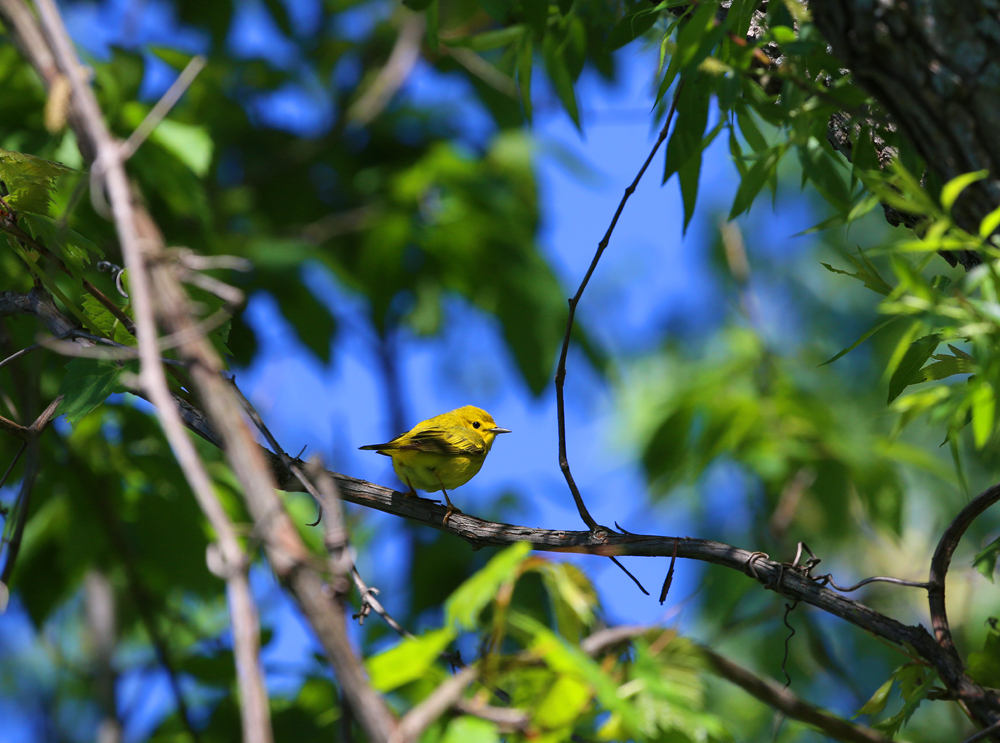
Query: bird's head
481,422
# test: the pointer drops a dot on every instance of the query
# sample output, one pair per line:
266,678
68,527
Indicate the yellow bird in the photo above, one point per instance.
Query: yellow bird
443,452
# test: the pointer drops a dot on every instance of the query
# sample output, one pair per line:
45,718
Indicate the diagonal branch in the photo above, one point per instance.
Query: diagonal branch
772,694
158,294
778,697
136,250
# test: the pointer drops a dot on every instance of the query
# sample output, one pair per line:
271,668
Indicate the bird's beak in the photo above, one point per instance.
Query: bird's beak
499,430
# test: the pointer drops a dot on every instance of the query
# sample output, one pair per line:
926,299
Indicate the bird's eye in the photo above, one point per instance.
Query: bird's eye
476,424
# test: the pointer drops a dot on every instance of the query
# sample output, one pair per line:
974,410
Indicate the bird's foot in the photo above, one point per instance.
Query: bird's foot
447,514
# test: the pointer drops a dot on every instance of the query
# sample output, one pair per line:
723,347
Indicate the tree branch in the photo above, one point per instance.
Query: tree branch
778,697
573,302
31,468
136,249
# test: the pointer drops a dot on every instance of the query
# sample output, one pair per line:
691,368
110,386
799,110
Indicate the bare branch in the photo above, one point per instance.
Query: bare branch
163,106
573,302
436,704
483,70
31,467
776,696
766,690
135,249
397,68
99,602
984,705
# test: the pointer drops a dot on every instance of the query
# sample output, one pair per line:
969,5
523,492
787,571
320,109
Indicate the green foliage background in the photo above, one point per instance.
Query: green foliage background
846,456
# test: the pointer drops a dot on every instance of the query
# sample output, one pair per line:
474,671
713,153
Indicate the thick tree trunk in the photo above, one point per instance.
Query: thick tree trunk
935,67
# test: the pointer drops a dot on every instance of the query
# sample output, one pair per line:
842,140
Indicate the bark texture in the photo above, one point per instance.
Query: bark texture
935,67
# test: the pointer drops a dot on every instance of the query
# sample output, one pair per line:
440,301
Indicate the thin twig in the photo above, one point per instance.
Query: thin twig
507,719
436,704
10,468
982,734
31,468
368,598
99,603
573,302
48,341
402,59
483,70
626,571
163,106
876,579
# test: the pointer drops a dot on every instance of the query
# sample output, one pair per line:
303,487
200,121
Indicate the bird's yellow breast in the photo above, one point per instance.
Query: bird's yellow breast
430,471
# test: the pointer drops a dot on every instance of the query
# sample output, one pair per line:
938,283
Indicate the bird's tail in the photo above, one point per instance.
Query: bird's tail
379,447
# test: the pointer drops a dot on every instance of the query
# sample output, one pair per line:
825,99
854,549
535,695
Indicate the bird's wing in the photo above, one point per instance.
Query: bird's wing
454,440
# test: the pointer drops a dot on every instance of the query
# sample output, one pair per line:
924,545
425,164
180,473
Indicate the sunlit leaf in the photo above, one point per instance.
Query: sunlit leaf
983,409
953,188
463,607
409,660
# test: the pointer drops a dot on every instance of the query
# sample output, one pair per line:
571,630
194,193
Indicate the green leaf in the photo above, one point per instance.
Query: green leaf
908,371
562,81
862,339
463,607
631,26
29,180
749,129
88,383
990,223
433,26
525,62
825,175
986,561
688,176
946,367
190,144
984,665
572,595
866,273
754,180
565,701
409,660
102,319
914,683
983,409
564,658
75,249
466,729
692,118
697,38
953,188
878,700
689,41
279,13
